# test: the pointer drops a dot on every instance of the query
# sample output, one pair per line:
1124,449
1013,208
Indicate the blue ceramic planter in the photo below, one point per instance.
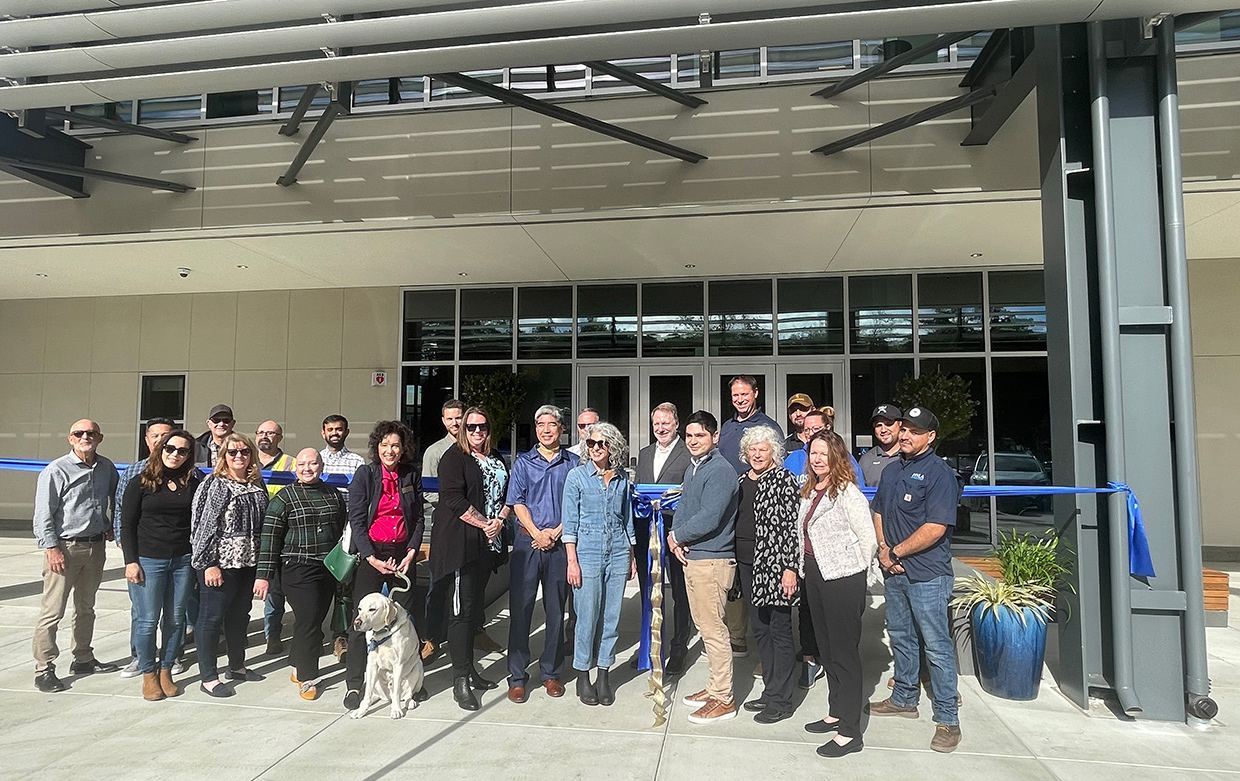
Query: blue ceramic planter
1008,653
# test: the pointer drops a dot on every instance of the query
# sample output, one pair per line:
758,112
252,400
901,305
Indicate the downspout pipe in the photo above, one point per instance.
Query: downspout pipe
1188,507
1112,393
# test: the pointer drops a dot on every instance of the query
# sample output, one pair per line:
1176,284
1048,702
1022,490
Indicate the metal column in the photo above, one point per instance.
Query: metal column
1115,314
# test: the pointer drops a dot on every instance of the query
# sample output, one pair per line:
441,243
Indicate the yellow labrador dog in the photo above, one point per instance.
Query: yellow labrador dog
393,661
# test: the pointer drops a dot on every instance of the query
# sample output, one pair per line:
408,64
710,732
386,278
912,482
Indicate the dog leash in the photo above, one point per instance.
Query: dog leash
400,589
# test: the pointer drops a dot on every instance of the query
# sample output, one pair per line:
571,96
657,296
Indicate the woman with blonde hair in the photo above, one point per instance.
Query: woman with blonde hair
227,529
597,513
837,544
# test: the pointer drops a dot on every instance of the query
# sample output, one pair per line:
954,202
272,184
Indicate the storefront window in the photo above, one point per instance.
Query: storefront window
607,321
426,388
871,383
811,316
545,322
740,317
961,442
486,323
1022,442
672,319
430,325
544,384
949,312
1017,311
881,313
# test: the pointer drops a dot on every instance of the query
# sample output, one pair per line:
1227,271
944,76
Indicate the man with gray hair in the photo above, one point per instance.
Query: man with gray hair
535,492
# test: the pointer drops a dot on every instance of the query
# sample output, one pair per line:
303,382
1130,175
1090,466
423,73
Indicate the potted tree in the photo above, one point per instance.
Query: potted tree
1008,615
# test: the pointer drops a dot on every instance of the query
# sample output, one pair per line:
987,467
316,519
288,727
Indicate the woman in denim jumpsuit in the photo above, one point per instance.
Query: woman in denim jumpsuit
598,537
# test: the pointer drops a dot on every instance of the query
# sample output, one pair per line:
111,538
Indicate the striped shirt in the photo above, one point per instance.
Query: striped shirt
344,462
303,523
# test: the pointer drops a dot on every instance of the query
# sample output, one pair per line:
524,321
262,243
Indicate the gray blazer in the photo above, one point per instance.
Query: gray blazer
673,469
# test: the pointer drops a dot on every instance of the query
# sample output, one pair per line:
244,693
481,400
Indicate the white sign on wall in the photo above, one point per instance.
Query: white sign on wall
378,378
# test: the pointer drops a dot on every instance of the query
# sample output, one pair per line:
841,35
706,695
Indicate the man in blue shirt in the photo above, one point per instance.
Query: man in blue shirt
535,491
914,513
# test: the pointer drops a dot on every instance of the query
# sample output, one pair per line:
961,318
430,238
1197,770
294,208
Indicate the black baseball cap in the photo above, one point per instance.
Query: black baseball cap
220,409
889,411
921,418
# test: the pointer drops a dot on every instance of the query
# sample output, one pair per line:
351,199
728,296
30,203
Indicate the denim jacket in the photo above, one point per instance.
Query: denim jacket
588,505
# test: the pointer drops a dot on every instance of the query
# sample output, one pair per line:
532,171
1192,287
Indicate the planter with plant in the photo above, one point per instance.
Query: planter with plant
1008,616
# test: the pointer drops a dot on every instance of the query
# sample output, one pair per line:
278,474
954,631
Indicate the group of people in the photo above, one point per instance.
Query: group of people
764,526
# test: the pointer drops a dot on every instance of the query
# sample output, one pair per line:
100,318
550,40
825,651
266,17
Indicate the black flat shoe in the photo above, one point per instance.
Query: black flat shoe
603,686
352,699
831,749
220,690
585,690
755,706
675,665
464,695
245,675
421,695
821,727
48,682
772,715
478,682
93,666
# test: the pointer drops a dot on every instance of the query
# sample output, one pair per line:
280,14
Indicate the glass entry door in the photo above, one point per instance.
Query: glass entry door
681,385
612,392
822,381
720,400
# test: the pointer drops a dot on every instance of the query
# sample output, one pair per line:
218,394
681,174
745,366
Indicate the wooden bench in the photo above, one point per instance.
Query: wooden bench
1216,584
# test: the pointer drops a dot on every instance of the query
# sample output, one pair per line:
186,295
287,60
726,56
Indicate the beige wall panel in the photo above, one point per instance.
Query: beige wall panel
316,328
262,330
363,404
69,329
213,332
66,399
203,390
117,334
313,394
1209,116
371,327
17,496
258,396
164,343
22,335
1213,286
1218,436
1212,224
21,399
114,401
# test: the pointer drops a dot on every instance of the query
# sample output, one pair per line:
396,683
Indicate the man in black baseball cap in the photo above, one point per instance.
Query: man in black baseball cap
886,422
220,424
914,514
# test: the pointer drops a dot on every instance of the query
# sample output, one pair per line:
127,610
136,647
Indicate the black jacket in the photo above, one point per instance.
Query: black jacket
364,492
455,543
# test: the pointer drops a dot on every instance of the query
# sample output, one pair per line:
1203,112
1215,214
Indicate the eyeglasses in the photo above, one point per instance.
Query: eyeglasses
85,434
180,451
477,427
601,444
583,425
240,451
222,420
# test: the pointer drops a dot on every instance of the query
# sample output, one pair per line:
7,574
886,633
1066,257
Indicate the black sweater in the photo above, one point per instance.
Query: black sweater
156,525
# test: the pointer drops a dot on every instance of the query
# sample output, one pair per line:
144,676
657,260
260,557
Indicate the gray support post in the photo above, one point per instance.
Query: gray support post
1112,393
1197,679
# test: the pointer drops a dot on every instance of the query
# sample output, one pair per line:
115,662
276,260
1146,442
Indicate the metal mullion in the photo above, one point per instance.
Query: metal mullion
916,327
774,316
641,317
706,320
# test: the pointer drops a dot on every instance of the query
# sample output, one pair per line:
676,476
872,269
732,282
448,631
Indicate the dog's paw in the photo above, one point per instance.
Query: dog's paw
357,714
398,713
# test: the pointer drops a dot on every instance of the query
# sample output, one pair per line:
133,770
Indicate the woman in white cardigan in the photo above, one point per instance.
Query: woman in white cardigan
837,545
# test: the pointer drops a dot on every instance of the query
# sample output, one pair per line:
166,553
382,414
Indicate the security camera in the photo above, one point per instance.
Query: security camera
184,272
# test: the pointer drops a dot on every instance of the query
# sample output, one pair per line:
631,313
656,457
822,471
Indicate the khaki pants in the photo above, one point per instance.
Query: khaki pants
83,574
707,581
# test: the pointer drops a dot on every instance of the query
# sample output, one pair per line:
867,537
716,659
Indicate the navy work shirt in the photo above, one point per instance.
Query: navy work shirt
915,491
730,437
539,485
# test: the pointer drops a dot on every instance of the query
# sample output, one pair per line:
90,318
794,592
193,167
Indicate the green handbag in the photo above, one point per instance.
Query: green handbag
339,562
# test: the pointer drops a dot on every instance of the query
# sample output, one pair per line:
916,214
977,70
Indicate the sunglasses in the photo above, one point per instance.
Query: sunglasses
601,444
221,420
85,434
477,426
240,451
180,451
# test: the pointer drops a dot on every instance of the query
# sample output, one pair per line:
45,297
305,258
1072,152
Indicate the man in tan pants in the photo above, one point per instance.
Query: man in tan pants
73,500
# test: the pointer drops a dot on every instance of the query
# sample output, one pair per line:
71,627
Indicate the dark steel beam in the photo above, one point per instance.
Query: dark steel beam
1011,94
638,80
566,115
119,126
886,66
44,181
299,113
93,173
995,47
333,110
887,128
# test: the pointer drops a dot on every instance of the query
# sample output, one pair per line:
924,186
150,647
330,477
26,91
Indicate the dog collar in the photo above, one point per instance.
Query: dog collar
373,644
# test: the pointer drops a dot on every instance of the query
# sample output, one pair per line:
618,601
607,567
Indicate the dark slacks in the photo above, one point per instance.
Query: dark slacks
223,608
772,632
530,568
463,594
837,606
674,576
805,627
309,588
368,580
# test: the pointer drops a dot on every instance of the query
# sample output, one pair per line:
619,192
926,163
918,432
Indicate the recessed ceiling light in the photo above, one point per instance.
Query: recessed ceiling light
463,274
40,274
690,265
242,265
976,255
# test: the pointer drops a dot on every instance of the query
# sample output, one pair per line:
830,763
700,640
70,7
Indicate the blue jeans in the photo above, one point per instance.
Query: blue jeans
916,618
273,608
603,556
161,599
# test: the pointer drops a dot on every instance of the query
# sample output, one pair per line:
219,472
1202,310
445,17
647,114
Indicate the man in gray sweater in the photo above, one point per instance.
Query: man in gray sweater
704,540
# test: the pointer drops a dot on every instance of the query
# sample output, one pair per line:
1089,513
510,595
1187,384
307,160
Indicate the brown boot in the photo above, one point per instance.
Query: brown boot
150,687
166,683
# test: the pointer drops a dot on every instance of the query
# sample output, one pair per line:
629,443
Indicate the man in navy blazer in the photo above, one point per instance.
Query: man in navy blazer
665,461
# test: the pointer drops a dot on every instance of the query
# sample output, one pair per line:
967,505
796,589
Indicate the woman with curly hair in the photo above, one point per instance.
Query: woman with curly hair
386,529
836,542
597,513
766,558
227,527
466,542
155,538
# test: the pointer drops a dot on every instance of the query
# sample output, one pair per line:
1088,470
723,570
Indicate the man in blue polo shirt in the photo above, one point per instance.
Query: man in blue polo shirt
535,491
914,513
